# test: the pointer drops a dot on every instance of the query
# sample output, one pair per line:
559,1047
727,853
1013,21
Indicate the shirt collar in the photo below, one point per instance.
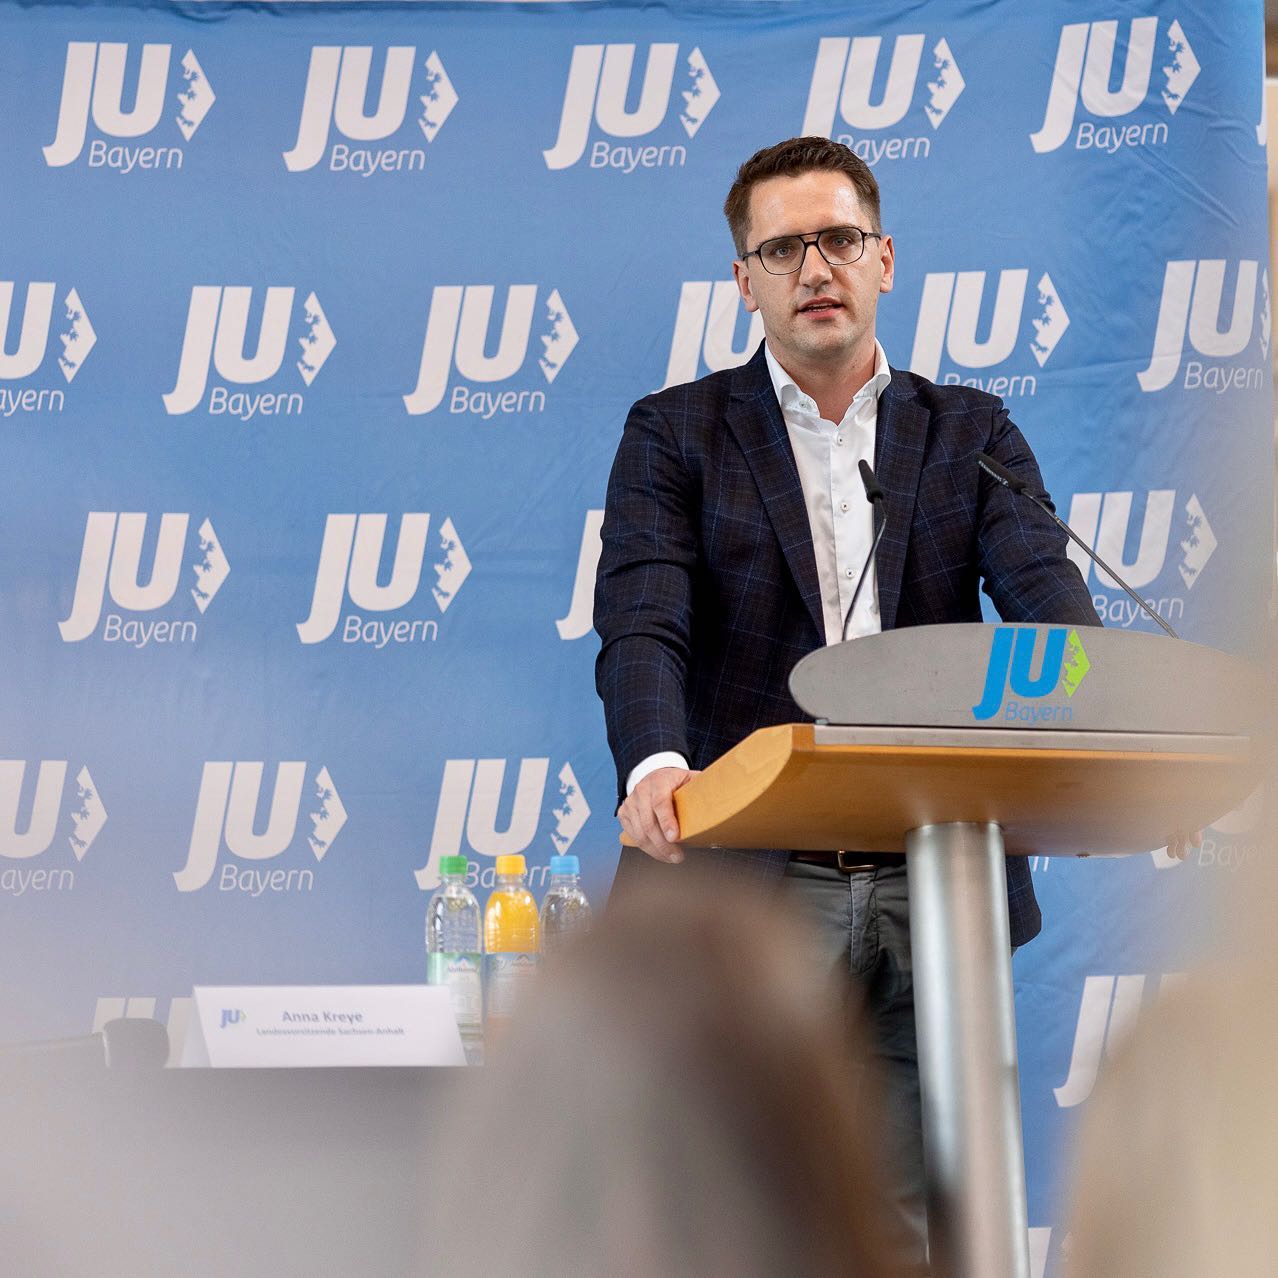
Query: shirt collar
790,395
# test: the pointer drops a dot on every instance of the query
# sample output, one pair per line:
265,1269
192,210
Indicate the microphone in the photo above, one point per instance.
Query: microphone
1000,474
874,495
872,490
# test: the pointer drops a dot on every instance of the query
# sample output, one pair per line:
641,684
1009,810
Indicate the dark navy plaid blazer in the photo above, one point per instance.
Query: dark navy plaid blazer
707,593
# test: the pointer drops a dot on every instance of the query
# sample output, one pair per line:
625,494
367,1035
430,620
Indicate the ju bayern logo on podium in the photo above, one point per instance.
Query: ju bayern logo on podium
1063,667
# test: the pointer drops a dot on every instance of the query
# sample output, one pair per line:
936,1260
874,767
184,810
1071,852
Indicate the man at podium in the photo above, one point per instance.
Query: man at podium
737,527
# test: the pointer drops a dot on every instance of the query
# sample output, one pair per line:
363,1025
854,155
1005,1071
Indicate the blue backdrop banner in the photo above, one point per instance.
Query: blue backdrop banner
319,325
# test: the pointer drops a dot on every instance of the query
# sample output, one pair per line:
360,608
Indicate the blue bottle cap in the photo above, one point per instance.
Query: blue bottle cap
565,865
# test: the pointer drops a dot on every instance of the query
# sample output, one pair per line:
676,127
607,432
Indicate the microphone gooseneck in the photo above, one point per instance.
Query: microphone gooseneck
878,503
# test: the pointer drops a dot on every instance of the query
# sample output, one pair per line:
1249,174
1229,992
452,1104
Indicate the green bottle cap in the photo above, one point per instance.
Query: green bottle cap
453,865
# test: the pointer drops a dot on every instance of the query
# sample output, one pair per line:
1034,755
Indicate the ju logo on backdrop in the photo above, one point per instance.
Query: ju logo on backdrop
93,92
1262,123
599,86
77,807
1191,304
226,818
1084,72
111,567
1107,1011
1104,520
471,795
215,337
1062,669
457,339
711,314
350,554
22,363
846,73
111,1007
579,619
338,83
947,348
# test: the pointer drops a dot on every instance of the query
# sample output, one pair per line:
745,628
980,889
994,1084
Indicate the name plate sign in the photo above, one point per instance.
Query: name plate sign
298,1026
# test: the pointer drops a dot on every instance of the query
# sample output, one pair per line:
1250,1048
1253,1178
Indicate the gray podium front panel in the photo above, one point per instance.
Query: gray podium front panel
1032,678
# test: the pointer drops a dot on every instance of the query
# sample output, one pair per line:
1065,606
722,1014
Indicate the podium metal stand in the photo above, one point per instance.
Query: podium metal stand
958,745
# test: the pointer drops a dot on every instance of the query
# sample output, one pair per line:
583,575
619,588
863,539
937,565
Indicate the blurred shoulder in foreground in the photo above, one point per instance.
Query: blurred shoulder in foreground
1176,1171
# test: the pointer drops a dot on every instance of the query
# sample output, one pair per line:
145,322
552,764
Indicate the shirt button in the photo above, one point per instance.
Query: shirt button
849,572
843,506
838,439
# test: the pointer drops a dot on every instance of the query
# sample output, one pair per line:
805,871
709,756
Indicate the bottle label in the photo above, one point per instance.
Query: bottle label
508,975
462,974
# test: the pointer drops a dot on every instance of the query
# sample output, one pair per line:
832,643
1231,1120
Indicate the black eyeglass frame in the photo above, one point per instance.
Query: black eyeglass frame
812,240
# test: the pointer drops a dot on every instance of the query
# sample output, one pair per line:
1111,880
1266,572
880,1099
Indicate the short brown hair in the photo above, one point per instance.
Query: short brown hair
792,158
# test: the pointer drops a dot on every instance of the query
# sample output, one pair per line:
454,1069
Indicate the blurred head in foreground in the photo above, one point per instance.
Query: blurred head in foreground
1176,1173
674,1098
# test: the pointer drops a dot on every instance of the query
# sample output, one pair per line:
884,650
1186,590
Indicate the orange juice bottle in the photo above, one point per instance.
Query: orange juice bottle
512,939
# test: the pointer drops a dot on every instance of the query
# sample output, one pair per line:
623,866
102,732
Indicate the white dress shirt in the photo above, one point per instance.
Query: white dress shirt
839,515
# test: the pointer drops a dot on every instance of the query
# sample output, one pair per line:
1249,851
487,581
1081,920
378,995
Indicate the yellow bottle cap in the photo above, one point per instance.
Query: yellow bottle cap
511,864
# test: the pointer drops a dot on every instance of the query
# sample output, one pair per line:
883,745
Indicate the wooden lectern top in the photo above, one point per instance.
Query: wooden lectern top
1110,743
801,786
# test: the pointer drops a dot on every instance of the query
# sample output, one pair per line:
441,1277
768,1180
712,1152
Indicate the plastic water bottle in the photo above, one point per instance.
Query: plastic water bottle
565,912
454,952
512,938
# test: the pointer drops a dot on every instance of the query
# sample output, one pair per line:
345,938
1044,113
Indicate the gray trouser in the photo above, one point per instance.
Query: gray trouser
860,928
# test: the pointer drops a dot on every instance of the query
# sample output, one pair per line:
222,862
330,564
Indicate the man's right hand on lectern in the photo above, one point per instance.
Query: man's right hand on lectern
1180,846
648,815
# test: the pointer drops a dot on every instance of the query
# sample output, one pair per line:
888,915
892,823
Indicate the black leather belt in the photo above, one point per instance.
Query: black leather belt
850,862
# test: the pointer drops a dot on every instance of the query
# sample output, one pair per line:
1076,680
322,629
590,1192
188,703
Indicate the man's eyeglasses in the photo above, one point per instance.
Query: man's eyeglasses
839,245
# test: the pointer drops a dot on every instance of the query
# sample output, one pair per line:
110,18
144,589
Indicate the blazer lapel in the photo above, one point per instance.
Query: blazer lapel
900,440
754,417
